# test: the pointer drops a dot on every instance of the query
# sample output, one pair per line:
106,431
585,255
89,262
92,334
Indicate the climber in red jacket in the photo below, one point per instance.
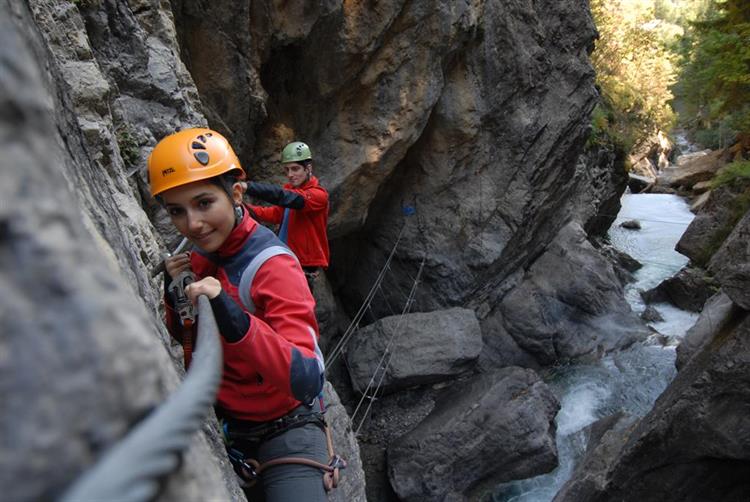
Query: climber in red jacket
300,207
270,397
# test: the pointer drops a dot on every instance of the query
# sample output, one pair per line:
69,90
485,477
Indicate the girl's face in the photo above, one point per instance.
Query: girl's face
202,212
296,174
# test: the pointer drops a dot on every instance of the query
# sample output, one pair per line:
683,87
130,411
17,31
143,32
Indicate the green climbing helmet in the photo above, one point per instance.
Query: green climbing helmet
295,152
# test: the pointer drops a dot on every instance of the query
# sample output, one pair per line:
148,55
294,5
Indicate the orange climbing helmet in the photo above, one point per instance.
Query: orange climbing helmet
190,155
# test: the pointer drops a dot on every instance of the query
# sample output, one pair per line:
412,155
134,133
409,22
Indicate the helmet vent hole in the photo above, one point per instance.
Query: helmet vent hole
198,146
201,157
208,134
202,138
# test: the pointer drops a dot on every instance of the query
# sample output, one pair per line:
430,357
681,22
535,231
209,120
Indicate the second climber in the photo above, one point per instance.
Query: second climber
300,208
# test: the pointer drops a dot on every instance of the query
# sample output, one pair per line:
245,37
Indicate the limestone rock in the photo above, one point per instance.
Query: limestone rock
492,175
87,359
422,348
496,427
650,314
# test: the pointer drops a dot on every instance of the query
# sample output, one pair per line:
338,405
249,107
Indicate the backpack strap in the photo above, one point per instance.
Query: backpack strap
252,268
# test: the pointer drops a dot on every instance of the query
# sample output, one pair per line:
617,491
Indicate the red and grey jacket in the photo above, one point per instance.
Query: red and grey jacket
303,215
272,361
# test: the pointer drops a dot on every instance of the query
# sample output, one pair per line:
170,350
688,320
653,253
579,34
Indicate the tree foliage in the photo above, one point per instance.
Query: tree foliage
635,69
715,79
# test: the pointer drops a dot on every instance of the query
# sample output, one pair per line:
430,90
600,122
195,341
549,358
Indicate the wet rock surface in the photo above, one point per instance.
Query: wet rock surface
569,304
503,425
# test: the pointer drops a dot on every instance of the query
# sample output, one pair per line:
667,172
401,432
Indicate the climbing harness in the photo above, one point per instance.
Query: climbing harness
186,312
250,470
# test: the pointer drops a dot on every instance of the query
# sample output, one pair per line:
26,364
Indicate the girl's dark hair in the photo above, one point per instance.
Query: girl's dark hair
226,181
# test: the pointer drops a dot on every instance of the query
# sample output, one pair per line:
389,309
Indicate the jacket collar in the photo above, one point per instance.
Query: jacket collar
312,182
237,237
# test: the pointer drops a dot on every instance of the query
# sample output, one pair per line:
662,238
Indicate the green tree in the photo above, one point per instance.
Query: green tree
715,79
635,70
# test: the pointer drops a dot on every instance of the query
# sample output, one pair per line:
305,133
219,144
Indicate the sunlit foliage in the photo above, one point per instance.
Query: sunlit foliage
635,69
715,81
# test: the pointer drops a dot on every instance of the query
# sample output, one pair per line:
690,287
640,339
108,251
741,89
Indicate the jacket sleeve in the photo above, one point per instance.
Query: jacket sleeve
275,195
284,345
315,197
267,214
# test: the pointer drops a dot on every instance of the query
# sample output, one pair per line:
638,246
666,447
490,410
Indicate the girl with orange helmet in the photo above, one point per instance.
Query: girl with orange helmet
269,398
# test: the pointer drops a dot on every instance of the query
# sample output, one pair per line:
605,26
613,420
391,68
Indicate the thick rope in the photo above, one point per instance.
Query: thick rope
354,324
387,351
131,471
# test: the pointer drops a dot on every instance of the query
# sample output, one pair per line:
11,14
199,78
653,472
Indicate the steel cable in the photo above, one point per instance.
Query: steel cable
132,470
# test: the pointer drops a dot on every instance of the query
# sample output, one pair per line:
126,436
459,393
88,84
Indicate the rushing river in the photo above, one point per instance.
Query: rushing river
630,380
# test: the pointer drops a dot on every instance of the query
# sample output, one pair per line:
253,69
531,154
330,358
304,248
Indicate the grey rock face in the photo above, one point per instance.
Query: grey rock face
496,427
491,177
601,179
695,444
570,304
731,264
422,348
81,360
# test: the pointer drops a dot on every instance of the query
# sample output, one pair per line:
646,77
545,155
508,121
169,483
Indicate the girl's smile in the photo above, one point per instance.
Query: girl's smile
202,212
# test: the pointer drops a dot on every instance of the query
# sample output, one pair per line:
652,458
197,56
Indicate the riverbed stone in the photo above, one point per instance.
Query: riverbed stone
422,348
495,427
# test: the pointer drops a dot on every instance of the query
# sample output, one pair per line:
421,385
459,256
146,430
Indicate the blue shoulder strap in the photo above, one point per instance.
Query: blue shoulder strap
252,268
284,229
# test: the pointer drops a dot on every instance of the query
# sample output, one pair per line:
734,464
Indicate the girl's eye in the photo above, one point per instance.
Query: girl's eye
175,211
204,203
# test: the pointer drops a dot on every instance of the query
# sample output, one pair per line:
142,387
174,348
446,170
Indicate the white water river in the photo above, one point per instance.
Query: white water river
630,380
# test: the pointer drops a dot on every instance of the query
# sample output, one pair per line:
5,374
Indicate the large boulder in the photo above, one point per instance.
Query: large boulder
400,351
691,170
570,304
688,289
495,427
695,443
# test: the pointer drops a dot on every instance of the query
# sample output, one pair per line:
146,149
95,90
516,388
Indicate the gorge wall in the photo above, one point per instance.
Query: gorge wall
456,128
